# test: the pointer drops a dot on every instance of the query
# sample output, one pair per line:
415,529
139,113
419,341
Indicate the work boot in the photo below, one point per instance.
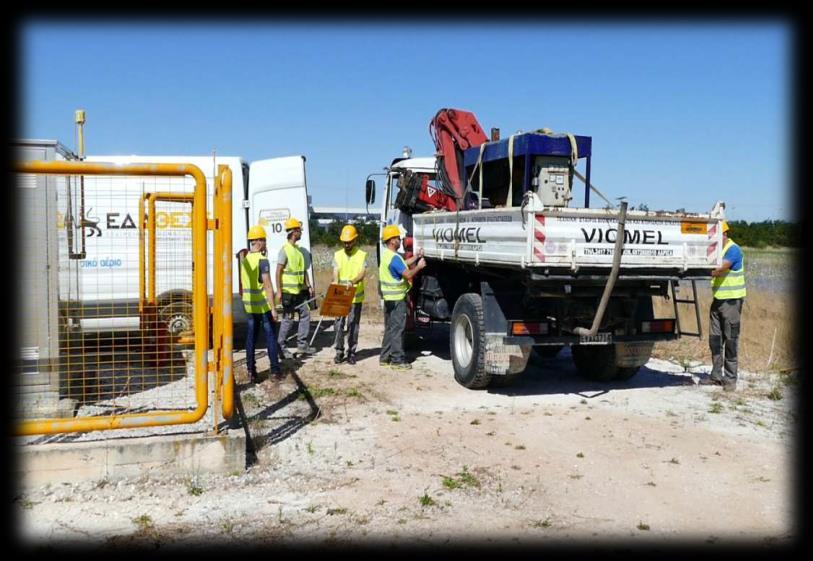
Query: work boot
277,376
400,366
305,349
339,357
254,377
730,386
351,358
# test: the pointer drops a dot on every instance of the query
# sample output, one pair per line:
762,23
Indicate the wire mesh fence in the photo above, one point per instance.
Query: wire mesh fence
113,306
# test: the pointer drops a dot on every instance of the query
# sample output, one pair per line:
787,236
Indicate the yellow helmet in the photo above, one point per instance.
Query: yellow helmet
725,226
256,233
390,232
349,233
292,223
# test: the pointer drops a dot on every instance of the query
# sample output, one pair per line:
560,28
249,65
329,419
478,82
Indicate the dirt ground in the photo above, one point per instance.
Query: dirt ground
364,455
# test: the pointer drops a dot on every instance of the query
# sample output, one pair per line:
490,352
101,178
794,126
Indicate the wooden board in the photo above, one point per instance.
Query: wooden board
338,300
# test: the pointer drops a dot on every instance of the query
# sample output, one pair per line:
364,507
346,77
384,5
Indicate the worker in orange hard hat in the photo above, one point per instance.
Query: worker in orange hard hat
728,296
394,277
258,294
349,267
293,288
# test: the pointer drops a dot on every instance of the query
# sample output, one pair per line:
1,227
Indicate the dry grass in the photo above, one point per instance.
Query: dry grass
768,315
768,322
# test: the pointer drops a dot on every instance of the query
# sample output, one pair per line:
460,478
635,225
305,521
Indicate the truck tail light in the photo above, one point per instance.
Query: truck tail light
529,328
658,326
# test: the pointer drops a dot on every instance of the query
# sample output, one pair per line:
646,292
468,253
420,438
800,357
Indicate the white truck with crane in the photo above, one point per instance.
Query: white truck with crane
517,271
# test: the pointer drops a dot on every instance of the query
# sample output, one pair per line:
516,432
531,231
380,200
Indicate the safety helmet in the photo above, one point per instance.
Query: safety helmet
292,223
390,232
725,226
256,233
349,233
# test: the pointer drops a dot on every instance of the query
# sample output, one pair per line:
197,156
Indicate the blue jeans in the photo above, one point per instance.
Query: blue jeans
270,341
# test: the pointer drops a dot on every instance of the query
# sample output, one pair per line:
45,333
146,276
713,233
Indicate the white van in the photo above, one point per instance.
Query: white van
264,192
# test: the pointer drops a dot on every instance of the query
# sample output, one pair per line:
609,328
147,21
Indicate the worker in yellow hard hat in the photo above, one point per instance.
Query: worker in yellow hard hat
349,267
293,288
255,278
394,277
728,296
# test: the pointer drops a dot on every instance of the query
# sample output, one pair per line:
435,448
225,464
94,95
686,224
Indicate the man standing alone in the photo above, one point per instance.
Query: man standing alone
293,288
728,292
349,267
395,276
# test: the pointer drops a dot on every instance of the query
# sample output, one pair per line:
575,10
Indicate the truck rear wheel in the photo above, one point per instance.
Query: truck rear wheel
595,362
467,342
626,372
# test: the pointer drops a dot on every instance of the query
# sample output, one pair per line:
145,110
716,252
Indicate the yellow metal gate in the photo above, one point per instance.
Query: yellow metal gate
129,305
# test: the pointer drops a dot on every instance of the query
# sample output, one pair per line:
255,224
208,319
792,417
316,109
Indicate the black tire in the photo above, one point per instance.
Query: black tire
595,362
626,372
504,381
410,341
467,344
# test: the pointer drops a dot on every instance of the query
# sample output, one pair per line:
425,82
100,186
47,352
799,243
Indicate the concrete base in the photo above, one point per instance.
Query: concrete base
132,457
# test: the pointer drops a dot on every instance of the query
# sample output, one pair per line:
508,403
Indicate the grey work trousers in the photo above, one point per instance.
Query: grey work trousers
289,308
392,347
352,320
724,333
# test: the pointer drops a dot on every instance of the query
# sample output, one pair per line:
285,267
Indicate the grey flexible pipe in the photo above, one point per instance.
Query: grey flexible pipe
608,288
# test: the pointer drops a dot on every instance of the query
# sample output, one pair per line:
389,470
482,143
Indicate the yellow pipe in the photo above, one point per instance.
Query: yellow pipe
225,265
199,300
216,304
142,284
151,248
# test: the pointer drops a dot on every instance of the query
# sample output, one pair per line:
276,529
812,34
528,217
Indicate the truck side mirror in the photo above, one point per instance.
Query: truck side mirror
370,191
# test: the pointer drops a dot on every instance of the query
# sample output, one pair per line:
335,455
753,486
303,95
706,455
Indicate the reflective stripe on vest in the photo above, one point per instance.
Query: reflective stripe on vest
254,298
293,275
349,268
732,284
391,289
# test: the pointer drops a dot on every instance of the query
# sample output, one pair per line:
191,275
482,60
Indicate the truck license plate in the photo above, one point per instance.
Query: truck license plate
597,339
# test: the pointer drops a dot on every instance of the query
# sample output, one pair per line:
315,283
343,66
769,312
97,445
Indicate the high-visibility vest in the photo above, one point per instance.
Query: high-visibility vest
255,300
391,289
293,275
349,268
732,284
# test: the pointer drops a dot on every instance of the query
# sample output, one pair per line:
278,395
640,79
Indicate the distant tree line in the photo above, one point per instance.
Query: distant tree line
368,232
768,233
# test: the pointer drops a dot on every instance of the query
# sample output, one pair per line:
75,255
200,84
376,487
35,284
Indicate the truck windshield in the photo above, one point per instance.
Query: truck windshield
395,186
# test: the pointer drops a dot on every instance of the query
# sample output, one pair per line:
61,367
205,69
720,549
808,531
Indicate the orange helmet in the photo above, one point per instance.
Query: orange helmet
390,232
349,233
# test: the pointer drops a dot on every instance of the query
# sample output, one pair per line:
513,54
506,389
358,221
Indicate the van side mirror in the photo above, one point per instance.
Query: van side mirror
369,194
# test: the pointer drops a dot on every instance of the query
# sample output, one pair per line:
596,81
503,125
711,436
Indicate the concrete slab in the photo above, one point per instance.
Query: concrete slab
70,462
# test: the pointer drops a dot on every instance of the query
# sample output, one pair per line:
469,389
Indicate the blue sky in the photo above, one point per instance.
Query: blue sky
682,113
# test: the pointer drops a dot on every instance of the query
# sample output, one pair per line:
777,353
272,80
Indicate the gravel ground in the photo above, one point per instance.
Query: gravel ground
362,455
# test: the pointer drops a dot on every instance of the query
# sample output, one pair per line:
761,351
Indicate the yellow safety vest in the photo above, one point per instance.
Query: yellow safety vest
349,268
293,275
391,289
732,284
255,300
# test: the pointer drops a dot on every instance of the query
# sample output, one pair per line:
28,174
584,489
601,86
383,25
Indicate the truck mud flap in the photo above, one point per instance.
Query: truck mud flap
501,358
633,353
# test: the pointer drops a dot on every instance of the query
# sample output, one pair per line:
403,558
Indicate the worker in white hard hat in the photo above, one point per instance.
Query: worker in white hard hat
728,295
349,267
394,277
255,277
293,288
